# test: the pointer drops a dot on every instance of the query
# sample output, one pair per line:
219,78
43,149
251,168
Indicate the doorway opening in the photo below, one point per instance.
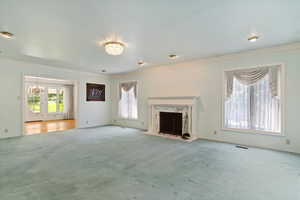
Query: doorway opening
49,105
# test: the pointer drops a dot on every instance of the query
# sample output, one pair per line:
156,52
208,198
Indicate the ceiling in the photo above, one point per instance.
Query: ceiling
66,33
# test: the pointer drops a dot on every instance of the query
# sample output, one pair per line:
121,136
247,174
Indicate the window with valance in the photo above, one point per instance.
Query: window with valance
128,100
253,99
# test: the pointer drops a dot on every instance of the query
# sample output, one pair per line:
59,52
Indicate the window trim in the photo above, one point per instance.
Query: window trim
137,100
282,102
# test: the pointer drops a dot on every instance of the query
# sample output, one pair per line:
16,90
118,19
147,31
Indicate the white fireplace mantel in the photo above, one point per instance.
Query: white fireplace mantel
181,100
187,105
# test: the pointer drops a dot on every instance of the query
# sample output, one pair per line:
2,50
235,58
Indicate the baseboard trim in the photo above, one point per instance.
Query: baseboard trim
250,146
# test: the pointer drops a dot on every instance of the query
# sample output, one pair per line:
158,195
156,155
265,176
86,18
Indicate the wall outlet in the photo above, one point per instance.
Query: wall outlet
5,130
215,132
87,122
287,141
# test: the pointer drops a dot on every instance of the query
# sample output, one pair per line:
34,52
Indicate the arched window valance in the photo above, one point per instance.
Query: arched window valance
252,76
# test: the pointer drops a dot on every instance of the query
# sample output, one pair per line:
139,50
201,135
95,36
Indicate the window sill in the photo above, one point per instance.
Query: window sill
253,131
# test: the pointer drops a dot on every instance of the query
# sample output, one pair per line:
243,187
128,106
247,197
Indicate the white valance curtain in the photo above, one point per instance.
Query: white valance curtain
128,86
69,102
253,75
128,100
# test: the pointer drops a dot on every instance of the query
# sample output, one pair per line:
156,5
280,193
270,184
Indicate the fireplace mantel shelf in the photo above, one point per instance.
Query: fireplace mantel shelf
174,97
173,100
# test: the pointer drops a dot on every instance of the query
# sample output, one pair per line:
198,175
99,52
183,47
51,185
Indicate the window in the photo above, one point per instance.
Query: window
34,99
55,100
52,99
128,100
253,99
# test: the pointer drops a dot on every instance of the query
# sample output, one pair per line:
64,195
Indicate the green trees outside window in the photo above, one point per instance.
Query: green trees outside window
34,99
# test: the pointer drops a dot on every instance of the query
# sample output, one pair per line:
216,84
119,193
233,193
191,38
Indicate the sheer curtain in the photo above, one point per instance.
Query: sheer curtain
68,101
237,107
128,101
266,108
253,106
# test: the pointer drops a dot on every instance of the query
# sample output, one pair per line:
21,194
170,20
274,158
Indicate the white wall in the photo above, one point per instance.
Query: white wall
11,87
204,78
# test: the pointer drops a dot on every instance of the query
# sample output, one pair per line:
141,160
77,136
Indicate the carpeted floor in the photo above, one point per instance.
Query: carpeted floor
121,163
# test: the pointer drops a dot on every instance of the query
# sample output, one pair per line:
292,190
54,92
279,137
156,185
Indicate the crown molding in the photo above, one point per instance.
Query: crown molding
295,46
274,49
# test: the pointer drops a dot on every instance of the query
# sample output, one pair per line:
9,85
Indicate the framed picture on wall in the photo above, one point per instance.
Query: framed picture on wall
95,92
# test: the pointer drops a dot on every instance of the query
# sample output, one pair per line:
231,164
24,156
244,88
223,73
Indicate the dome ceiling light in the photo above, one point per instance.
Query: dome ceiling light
6,34
173,56
114,48
141,63
253,38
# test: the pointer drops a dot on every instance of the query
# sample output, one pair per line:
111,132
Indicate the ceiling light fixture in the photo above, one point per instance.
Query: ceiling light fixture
173,56
253,38
6,34
141,63
114,48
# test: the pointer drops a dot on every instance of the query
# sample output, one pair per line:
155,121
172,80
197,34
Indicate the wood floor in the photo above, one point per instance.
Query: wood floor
32,128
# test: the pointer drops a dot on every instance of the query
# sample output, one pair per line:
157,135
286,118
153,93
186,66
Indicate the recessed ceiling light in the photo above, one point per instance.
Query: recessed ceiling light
114,48
253,38
173,56
141,63
6,34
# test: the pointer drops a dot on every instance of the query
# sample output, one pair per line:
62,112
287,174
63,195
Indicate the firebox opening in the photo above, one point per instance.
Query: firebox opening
171,123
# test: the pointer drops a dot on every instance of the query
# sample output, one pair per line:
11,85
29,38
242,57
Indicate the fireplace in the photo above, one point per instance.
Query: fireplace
173,117
170,123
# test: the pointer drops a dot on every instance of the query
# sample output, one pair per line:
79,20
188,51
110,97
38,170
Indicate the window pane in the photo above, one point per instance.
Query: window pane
34,99
52,99
61,100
